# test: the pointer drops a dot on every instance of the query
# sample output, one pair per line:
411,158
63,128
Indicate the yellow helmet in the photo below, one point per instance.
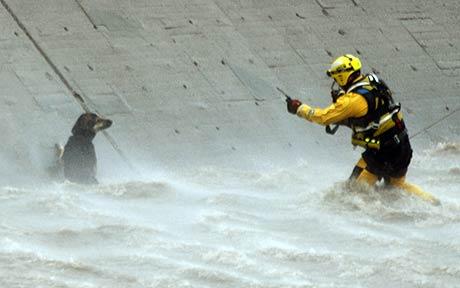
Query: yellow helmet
343,67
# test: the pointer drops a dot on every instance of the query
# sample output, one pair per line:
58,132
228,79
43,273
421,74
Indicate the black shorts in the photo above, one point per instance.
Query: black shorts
391,160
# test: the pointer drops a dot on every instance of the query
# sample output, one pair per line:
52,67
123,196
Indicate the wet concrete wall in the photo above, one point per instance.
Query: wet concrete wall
191,82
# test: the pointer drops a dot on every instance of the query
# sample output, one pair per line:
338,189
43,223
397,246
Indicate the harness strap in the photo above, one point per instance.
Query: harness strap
359,84
383,120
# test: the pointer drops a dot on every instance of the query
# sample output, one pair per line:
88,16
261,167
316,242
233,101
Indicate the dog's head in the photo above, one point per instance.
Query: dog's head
88,124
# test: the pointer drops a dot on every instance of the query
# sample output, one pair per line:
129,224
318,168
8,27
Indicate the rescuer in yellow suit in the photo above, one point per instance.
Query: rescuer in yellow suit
365,104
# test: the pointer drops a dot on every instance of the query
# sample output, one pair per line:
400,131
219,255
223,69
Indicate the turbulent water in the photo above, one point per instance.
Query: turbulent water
291,227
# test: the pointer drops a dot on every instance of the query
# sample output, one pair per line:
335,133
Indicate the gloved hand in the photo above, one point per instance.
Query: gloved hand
293,105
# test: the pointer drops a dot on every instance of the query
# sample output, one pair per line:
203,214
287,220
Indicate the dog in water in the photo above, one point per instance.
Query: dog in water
78,156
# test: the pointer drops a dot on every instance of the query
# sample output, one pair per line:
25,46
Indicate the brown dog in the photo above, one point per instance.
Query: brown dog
78,156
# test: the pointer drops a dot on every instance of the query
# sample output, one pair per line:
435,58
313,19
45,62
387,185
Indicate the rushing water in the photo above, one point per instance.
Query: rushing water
221,228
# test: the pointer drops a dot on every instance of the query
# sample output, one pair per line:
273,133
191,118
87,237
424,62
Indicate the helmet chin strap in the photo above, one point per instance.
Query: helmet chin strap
334,83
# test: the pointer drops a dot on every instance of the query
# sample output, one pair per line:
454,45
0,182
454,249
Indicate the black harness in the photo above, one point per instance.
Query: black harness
380,103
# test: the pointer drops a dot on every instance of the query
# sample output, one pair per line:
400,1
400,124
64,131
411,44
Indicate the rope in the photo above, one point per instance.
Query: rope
426,128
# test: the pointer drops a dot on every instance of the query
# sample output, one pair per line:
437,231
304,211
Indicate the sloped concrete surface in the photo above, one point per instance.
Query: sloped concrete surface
191,82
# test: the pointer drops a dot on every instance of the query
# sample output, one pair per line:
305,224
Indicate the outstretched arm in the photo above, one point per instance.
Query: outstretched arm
346,106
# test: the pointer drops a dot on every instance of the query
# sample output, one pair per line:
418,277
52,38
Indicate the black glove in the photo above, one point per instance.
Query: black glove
335,94
293,105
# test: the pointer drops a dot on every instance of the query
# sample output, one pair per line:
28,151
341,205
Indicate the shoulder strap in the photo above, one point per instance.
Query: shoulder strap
356,85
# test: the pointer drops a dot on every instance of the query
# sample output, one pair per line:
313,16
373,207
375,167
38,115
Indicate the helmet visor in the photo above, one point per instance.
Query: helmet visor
338,70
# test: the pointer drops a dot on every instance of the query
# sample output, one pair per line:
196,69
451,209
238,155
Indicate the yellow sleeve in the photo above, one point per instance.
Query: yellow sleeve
350,105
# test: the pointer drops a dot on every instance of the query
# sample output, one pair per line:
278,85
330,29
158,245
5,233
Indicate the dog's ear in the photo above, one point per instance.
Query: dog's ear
77,127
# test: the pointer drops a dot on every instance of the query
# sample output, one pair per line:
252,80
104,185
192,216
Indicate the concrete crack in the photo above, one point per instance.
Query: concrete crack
45,56
86,14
